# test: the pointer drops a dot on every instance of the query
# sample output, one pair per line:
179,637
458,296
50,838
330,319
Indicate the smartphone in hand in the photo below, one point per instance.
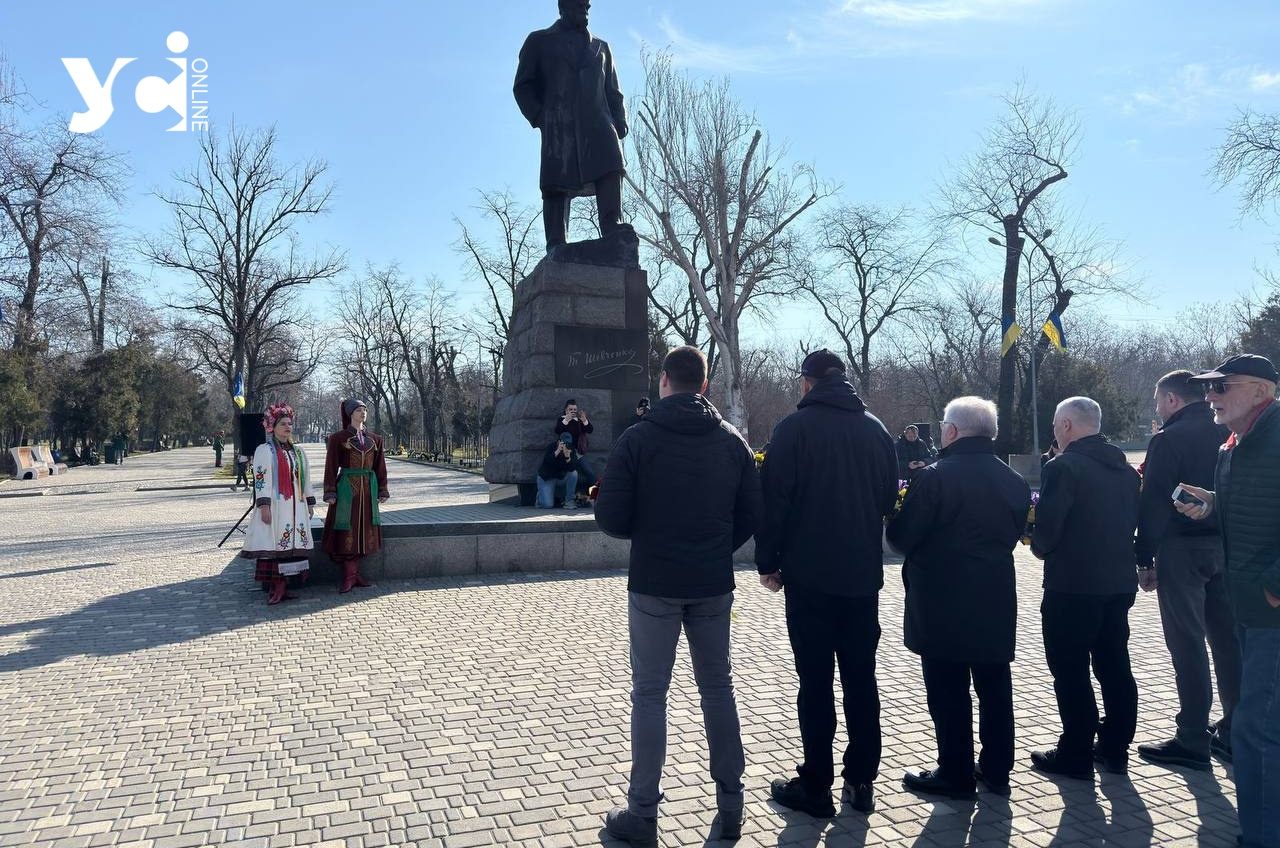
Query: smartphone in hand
1183,496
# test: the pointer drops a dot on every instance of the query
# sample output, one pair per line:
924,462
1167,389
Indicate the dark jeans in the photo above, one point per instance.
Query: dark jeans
1194,605
1078,630
826,629
1255,738
947,685
242,474
655,625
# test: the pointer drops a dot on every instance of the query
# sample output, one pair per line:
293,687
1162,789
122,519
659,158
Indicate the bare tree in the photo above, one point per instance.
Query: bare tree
501,262
714,198
233,231
53,182
878,261
1250,156
1025,153
369,357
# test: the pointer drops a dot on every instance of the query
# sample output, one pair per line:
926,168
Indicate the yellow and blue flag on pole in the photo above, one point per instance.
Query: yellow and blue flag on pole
1053,331
1011,333
238,396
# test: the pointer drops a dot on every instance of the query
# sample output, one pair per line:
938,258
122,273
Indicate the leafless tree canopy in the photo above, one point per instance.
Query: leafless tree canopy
55,186
500,262
714,198
880,266
234,232
1250,157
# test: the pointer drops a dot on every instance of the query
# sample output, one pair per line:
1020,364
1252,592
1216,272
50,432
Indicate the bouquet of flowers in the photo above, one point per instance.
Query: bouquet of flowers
1031,519
759,455
903,485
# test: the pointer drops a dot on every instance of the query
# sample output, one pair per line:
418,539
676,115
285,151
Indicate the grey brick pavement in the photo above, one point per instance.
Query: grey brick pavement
149,698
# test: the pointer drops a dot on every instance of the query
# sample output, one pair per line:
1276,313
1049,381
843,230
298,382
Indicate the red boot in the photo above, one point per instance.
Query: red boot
279,589
349,575
360,581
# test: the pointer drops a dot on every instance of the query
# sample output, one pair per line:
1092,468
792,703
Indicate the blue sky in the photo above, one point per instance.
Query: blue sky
410,103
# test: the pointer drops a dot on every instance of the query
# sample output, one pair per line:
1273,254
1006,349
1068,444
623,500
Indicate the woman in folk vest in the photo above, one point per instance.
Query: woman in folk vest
355,483
279,534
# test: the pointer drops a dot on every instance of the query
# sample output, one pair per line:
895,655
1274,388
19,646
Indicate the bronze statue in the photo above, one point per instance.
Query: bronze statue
567,87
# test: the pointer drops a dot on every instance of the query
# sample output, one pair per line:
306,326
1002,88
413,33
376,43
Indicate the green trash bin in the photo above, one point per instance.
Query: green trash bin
110,451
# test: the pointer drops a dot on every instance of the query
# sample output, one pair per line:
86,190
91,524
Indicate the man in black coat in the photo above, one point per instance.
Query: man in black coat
959,524
914,453
1183,561
830,477
682,486
567,86
1085,520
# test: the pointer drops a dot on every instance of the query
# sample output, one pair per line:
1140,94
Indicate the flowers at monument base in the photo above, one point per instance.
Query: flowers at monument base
759,456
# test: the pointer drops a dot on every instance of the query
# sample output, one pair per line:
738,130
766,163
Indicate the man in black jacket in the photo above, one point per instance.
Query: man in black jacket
914,453
1085,520
961,520
830,477
682,486
1182,560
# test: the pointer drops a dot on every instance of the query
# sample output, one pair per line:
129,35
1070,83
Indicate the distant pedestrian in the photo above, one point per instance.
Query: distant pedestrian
1245,502
120,445
682,486
830,477
1183,562
217,449
242,473
958,526
1085,520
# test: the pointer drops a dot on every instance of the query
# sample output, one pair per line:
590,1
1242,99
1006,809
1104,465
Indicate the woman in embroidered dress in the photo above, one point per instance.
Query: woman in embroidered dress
279,534
355,483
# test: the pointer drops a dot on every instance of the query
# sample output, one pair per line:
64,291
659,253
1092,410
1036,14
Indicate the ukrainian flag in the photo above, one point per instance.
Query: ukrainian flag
1011,333
1053,331
238,396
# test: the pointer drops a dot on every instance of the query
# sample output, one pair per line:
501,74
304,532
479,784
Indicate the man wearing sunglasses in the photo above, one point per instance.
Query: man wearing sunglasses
1246,504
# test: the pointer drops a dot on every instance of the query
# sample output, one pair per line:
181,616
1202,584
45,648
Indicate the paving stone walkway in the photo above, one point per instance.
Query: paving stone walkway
148,697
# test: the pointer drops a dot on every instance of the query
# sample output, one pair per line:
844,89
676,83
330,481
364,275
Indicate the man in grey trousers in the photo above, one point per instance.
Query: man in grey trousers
681,484
1183,561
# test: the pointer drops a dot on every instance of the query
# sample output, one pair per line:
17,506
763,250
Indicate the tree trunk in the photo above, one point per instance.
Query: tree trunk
1008,307
735,408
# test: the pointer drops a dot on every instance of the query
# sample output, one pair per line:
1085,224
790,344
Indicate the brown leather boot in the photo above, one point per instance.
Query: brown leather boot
348,576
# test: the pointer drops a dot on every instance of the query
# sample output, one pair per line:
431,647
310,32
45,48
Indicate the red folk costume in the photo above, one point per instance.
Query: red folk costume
355,483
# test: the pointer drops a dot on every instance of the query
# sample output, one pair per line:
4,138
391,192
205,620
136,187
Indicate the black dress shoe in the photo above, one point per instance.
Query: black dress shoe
861,796
1171,752
636,831
1053,763
1111,763
994,786
933,783
731,825
794,795
1220,743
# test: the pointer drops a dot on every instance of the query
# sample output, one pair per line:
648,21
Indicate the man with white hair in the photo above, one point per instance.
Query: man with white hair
1085,521
1246,503
958,527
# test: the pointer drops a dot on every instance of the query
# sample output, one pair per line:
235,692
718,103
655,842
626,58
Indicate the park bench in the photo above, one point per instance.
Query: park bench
27,468
45,456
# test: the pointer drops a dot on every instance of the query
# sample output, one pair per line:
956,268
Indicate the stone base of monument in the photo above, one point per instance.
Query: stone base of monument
482,539
578,331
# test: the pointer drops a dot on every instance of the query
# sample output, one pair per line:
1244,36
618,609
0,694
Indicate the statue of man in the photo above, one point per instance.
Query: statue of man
567,87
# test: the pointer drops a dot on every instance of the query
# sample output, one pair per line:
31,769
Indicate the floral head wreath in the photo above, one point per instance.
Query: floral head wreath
274,413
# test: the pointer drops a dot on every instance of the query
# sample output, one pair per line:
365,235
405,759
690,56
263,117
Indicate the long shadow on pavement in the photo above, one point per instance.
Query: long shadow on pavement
206,606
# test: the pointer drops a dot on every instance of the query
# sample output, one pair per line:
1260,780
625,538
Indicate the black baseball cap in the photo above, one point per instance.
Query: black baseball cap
817,364
1242,365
